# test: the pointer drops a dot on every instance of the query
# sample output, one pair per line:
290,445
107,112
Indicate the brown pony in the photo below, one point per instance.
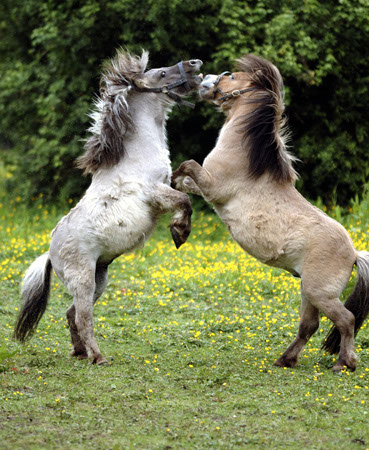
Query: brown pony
249,178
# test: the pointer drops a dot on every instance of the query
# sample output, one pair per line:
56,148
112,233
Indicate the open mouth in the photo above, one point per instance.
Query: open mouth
198,78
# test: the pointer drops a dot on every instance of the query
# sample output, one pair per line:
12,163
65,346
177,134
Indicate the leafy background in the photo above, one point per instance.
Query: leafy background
51,54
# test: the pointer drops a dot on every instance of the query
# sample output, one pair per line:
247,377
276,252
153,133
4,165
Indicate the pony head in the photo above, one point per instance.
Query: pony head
254,94
123,76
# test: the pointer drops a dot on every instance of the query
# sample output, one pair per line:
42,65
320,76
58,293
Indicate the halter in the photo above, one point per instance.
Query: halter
226,95
168,87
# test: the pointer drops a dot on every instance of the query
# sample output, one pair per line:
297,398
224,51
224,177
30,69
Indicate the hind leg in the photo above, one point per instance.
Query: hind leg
83,302
325,297
79,278
101,279
345,323
309,323
79,348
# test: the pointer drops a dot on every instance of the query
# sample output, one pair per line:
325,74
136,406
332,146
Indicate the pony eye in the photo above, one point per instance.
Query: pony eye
163,74
232,77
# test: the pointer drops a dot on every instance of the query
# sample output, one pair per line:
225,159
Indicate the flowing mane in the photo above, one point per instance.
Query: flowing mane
111,118
264,127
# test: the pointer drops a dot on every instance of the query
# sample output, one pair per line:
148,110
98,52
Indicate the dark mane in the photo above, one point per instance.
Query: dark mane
111,118
264,127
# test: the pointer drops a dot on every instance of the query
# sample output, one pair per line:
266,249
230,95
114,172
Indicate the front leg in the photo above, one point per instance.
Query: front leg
190,176
167,199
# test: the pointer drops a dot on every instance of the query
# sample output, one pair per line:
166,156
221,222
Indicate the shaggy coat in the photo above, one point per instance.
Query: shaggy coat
249,178
128,157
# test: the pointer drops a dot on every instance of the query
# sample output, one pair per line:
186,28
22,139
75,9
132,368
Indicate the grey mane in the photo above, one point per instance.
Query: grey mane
111,118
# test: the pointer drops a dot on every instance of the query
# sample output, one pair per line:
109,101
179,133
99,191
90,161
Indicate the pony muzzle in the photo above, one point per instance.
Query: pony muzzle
207,86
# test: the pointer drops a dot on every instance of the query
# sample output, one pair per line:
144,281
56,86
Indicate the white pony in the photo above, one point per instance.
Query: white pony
128,157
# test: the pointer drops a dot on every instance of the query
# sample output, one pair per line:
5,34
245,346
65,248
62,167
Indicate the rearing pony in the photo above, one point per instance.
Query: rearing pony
128,157
249,178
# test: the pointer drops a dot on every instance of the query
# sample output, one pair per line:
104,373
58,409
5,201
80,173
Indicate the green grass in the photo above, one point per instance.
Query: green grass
191,336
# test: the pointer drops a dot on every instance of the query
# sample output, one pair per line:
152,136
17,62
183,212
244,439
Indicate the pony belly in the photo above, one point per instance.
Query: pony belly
255,235
124,238
102,229
270,253
250,235
124,227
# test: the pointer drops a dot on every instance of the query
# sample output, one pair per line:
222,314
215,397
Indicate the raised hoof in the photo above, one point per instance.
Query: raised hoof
99,360
284,362
174,180
177,238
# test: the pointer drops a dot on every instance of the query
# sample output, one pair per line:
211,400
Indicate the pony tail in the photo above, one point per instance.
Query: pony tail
35,293
357,303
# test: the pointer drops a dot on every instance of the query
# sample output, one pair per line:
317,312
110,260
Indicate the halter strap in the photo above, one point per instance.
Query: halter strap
217,82
235,93
166,89
226,95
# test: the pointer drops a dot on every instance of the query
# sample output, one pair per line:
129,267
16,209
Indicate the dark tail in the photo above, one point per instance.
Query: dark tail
35,293
357,303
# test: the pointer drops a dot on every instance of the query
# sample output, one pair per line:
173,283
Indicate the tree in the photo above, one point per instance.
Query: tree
51,54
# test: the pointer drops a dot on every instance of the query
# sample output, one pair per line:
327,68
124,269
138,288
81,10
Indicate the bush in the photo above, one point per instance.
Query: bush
51,54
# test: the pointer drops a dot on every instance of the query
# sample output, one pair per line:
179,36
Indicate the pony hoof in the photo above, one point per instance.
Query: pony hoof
79,354
337,368
100,360
284,362
177,238
177,177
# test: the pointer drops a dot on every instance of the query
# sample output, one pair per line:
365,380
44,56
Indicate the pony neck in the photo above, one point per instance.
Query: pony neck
150,105
149,114
146,149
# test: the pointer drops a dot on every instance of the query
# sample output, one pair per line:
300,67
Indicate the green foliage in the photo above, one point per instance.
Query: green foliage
51,54
4,355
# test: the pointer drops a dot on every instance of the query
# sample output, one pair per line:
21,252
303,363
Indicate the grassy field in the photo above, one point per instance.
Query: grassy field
191,336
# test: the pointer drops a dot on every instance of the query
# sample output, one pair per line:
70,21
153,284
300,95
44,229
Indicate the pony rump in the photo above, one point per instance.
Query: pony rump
265,127
111,118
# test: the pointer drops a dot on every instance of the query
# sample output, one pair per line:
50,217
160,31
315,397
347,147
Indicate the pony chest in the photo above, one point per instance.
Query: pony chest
162,169
152,165
120,214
